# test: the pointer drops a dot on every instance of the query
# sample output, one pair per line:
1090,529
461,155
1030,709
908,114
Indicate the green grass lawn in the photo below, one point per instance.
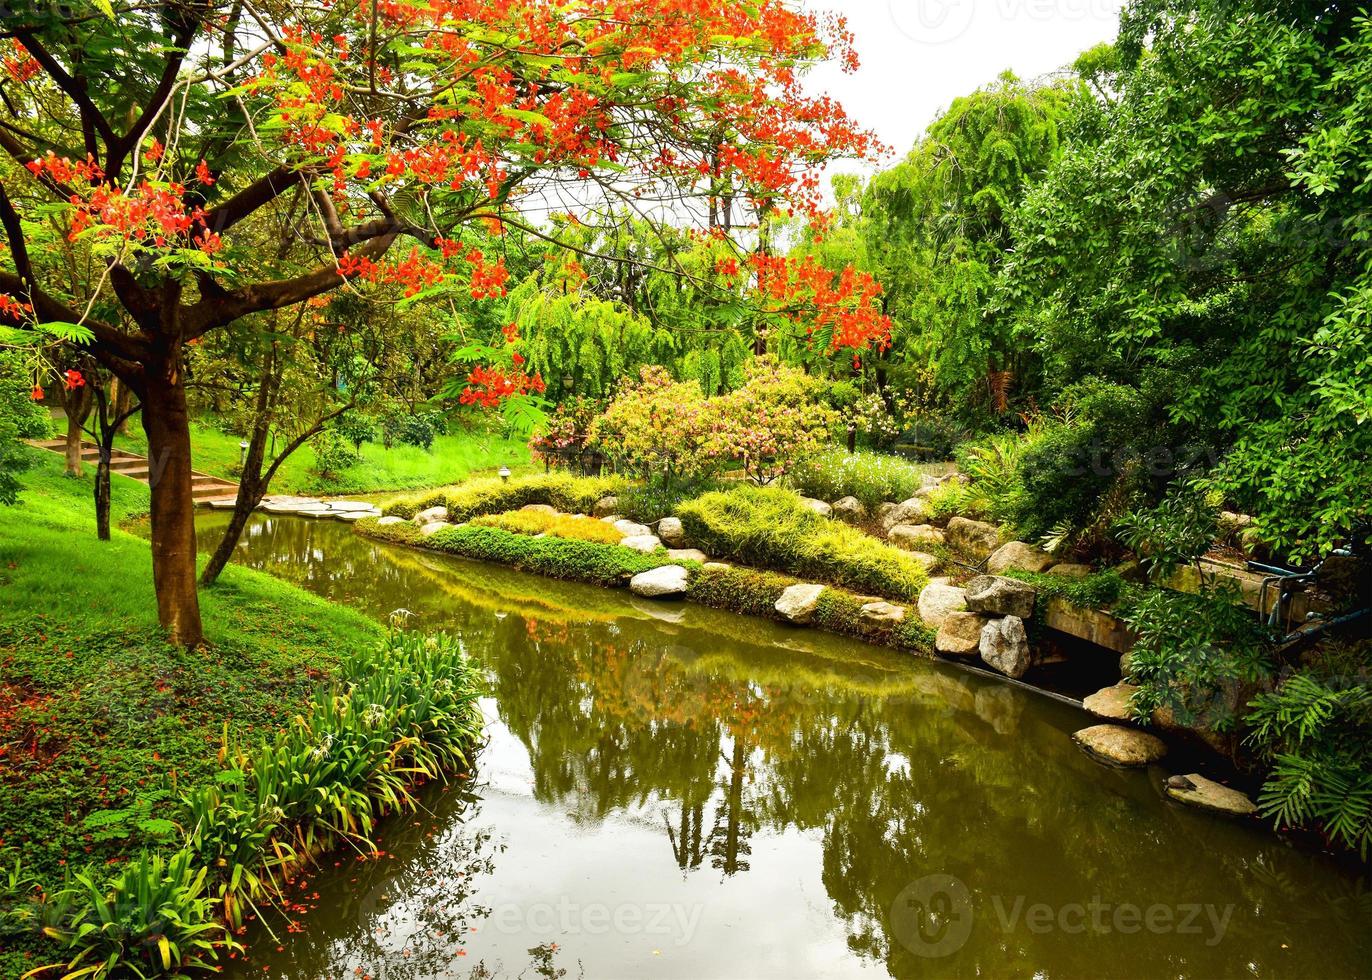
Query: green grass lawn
97,711
454,457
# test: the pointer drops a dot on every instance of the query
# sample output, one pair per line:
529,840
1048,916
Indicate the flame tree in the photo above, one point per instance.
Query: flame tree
212,160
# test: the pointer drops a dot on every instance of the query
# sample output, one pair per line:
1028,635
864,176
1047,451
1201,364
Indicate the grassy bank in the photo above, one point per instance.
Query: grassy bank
744,591
98,715
452,459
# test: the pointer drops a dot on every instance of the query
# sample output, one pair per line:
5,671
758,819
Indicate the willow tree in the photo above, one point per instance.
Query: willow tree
223,158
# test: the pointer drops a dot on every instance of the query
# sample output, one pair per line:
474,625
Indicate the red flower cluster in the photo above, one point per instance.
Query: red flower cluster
18,63
13,309
74,380
489,386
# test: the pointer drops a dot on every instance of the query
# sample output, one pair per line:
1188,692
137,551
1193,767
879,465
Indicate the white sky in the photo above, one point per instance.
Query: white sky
919,55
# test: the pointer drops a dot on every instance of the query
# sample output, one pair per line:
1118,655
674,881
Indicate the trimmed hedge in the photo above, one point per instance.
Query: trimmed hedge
557,525
564,558
490,495
771,528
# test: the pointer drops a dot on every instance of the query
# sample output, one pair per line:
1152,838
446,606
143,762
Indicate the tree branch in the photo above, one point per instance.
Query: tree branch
221,310
91,117
257,194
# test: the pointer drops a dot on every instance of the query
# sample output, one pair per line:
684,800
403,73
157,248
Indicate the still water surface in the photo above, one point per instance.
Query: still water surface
674,792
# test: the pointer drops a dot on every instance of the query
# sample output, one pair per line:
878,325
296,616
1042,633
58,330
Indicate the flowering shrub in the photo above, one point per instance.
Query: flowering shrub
775,420
563,435
669,432
662,430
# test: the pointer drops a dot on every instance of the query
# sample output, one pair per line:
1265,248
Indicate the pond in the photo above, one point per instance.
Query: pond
674,792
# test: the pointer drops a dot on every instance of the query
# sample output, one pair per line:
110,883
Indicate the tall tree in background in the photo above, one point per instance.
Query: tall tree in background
1205,238
222,158
936,231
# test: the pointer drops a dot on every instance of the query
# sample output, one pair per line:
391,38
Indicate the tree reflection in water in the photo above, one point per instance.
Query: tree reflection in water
722,733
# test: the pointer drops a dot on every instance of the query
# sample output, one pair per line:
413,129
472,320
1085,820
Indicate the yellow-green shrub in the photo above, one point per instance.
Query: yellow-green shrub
556,525
770,528
575,494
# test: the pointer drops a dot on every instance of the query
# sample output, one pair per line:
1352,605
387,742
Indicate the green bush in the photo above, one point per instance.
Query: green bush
412,429
332,454
564,558
572,494
770,528
870,477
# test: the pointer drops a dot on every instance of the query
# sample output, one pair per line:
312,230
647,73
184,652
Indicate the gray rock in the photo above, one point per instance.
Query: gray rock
433,527
612,519
671,532
540,509
960,634
1120,746
605,506
351,517
975,539
1018,556
1210,795
1005,647
645,543
669,580
687,554
883,613
1001,596
938,600
849,510
799,602
391,521
632,530
1070,569
911,511
929,562
818,506
1111,702
431,515
915,537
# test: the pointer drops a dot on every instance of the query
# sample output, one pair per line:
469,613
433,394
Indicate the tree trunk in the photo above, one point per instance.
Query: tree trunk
250,493
74,434
102,495
167,424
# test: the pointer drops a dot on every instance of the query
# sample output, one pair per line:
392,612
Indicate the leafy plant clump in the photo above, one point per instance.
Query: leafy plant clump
1316,730
571,526
403,713
770,528
571,494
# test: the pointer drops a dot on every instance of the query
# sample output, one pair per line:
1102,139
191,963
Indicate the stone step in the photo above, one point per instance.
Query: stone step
209,491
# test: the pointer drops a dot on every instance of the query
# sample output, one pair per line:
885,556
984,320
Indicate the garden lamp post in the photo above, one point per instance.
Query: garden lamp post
242,455
505,473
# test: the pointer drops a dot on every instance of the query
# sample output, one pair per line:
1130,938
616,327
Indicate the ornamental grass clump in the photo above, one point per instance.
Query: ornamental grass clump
770,528
872,478
571,526
489,495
